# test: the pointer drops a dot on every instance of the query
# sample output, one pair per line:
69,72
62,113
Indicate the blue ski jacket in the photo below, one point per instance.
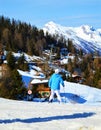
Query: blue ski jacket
55,81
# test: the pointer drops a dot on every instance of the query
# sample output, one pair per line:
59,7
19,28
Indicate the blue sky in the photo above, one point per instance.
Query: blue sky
65,12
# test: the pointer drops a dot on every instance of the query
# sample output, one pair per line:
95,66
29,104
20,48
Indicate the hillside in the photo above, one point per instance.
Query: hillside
80,109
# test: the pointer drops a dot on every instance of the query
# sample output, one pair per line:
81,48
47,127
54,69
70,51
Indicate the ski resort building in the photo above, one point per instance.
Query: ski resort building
39,88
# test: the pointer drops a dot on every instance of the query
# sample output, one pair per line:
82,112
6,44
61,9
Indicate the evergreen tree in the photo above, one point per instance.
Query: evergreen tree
11,86
11,60
70,46
18,90
97,78
22,64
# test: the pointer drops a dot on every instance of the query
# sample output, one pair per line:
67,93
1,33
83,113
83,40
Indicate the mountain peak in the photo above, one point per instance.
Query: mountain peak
87,28
51,23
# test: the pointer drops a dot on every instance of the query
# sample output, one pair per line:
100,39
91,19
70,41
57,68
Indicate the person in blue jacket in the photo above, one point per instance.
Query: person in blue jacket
54,83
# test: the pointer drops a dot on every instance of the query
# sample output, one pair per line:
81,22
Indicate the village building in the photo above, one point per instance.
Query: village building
39,88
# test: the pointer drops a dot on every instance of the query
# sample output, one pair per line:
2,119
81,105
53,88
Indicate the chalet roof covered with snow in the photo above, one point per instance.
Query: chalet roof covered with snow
38,81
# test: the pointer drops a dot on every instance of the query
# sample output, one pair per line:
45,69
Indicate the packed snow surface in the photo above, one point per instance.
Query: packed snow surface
80,110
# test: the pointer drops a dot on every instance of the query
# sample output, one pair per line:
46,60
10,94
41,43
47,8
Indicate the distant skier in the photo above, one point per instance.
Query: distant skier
54,83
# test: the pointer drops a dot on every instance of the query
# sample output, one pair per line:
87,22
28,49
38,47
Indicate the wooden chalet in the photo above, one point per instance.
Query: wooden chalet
77,78
40,88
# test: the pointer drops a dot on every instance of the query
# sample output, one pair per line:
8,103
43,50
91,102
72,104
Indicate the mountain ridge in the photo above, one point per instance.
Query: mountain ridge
84,37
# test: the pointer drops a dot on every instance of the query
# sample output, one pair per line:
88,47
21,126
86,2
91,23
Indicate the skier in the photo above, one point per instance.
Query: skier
54,84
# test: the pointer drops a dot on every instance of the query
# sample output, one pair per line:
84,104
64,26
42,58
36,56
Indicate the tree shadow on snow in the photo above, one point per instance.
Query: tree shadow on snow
46,119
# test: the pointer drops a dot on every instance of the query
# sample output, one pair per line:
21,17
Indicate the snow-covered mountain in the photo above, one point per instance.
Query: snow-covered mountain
85,37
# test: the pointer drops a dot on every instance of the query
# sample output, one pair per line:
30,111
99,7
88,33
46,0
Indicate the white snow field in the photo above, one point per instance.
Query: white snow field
80,110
